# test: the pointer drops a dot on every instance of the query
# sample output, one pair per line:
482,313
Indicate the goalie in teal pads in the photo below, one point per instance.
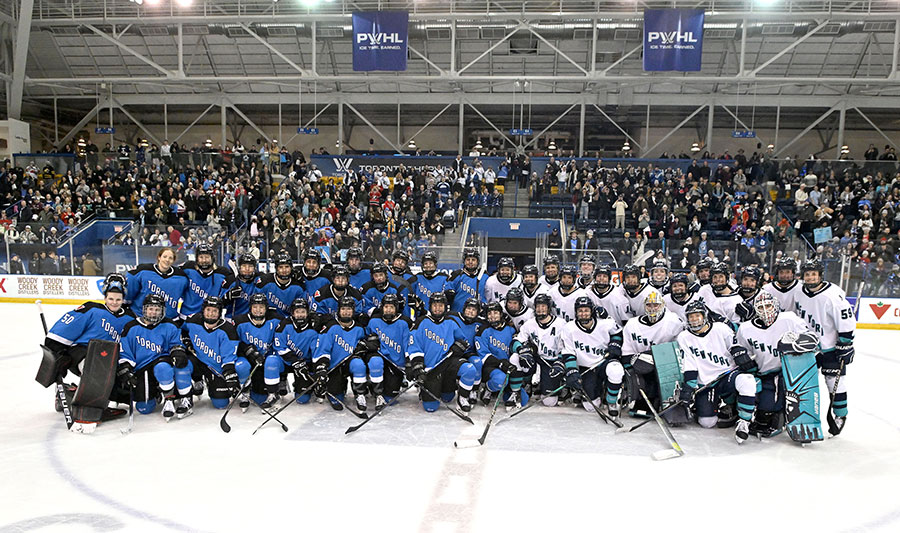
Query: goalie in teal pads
801,386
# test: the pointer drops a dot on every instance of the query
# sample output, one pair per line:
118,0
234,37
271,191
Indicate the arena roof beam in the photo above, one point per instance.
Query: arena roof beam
247,120
553,47
739,121
420,130
545,130
441,71
789,47
616,124
137,122
809,128
491,124
876,128
489,50
277,52
374,128
82,123
192,124
132,51
673,130
20,61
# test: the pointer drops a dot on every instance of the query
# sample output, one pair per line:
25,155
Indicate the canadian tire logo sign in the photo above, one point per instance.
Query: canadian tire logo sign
879,309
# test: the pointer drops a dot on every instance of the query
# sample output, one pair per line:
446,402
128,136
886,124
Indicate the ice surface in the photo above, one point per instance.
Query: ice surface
550,469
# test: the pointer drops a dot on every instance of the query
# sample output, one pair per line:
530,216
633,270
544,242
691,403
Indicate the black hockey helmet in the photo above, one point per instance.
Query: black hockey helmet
246,259
583,302
429,257
153,301
697,306
515,294
400,254
343,303
587,259
703,266
114,282
283,258
391,299
471,253
438,298
506,262
212,301
530,270
259,299
656,280
551,259
543,299
812,265
471,303
299,303
355,253
492,310
603,269
677,279
570,271
749,273
785,264
719,268
204,249
340,271
631,270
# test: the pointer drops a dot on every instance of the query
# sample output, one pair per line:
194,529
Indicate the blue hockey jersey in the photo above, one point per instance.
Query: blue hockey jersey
261,337
293,341
337,342
492,342
325,302
372,295
431,340
90,320
424,286
466,287
393,336
241,306
146,279
279,296
468,329
201,285
358,279
215,347
142,344
312,284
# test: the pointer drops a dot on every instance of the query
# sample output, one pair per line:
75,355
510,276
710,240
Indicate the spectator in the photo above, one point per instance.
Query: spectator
89,266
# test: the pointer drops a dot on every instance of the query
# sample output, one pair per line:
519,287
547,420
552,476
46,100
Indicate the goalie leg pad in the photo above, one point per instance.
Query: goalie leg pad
53,365
97,380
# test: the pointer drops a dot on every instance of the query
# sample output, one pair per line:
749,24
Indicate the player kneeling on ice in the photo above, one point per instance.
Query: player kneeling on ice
594,342
296,338
149,362
256,331
342,353
543,333
710,356
435,358
760,337
387,362
498,366
213,346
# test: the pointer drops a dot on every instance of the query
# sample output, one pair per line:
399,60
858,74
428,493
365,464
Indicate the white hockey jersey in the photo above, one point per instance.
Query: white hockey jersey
564,304
724,305
529,298
827,313
546,285
640,336
762,342
679,307
613,301
709,354
784,296
495,290
517,320
546,337
588,346
636,302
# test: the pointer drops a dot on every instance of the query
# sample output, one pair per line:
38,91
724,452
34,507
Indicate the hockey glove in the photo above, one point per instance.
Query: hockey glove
744,310
416,370
686,395
526,358
505,366
844,352
252,355
573,379
301,370
229,374
234,293
321,375
372,343
614,348
125,377
743,360
557,369
179,357
458,348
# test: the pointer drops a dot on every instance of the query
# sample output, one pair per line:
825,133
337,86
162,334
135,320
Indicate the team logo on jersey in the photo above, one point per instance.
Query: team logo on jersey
879,309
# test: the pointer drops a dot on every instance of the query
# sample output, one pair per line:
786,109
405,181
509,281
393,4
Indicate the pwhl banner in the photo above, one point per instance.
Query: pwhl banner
673,39
380,40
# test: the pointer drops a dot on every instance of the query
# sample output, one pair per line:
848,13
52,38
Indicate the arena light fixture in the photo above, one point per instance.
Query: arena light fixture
151,2
626,147
845,150
184,3
552,146
309,3
695,147
412,144
208,143
478,145
770,147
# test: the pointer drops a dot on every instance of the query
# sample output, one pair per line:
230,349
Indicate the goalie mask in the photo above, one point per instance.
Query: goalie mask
654,307
766,307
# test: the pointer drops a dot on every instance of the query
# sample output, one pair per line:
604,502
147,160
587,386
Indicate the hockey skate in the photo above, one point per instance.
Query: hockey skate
486,396
197,388
379,402
185,407
514,401
168,410
270,400
283,387
70,393
612,411
727,416
742,431
361,404
463,403
244,402
85,428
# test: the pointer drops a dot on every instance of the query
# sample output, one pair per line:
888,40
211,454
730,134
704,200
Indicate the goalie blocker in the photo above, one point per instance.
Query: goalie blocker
91,397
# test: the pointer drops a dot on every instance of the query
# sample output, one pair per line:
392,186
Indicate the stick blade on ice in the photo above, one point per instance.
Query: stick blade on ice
466,443
662,455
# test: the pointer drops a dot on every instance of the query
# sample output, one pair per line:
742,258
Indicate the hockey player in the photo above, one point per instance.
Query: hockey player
400,274
724,298
387,365
501,281
751,279
205,279
551,273
359,276
703,275
586,268
469,323
679,296
606,297
467,282
429,282
312,275
785,284
280,288
635,290
162,278
760,337
69,337
514,305
325,300
530,285
654,326
435,358
543,335
213,344
492,344
342,353
380,286
148,361
829,316
256,332
709,350
595,346
659,276
243,286
565,293
296,338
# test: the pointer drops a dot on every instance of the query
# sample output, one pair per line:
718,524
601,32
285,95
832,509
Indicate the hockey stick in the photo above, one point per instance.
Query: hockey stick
301,393
351,429
487,427
127,430
60,386
676,450
422,387
355,413
531,403
222,423
702,389
833,428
